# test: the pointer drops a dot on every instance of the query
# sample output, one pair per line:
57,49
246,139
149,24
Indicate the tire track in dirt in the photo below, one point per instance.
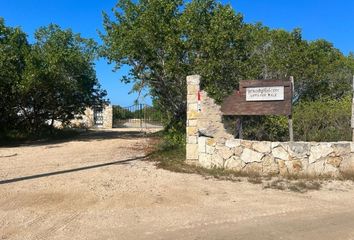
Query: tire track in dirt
58,225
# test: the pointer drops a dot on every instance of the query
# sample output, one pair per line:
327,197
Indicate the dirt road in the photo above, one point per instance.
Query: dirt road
98,187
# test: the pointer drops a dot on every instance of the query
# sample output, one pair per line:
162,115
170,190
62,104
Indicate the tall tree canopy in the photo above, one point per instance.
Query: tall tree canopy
163,41
147,37
51,79
60,80
14,49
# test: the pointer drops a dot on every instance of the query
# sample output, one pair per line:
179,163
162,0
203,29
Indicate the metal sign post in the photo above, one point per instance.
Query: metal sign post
290,117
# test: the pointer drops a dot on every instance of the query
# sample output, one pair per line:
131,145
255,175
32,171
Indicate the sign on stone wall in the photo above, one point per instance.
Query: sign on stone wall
265,93
260,97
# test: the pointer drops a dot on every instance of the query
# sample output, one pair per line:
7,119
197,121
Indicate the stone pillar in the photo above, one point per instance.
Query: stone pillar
88,119
192,118
108,116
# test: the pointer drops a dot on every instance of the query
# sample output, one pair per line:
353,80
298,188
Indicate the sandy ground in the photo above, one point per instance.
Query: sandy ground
98,187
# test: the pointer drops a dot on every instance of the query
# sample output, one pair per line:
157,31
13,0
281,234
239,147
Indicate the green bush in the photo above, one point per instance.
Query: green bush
173,138
269,128
323,120
262,128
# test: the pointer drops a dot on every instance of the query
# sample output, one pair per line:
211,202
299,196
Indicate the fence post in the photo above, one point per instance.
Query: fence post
141,117
290,117
146,117
239,128
353,111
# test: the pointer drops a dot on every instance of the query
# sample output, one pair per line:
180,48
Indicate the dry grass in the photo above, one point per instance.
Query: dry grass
347,175
300,186
255,180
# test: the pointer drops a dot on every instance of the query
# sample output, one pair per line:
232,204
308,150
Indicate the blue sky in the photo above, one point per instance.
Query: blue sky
328,19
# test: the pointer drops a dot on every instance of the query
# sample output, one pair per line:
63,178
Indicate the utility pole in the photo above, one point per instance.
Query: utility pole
290,117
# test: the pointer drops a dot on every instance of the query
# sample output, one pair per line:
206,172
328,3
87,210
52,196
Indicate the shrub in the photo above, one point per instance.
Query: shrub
323,120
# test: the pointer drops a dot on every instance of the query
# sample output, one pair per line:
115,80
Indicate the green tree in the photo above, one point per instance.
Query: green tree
13,50
146,36
163,44
215,45
52,79
319,68
59,80
164,41
323,120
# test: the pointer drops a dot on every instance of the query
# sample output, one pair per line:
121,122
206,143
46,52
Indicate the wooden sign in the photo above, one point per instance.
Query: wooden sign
260,97
264,93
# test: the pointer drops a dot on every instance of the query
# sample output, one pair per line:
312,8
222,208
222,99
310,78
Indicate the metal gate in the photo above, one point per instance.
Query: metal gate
136,116
98,116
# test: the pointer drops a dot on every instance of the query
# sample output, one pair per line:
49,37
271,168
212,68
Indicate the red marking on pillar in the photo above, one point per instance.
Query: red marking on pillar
199,105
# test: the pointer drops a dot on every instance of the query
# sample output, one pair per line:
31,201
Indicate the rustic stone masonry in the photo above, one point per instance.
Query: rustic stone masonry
192,116
108,116
87,119
271,158
209,145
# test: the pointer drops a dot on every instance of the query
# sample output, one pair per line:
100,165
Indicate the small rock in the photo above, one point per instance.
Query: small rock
234,163
262,147
253,167
294,166
283,170
269,165
319,151
280,153
205,160
347,164
232,143
209,149
316,168
249,156
299,149
226,152
334,161
202,144
341,149
238,151
217,161
246,144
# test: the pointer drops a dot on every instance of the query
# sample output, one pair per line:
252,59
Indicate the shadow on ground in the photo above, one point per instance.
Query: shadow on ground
86,136
109,134
48,174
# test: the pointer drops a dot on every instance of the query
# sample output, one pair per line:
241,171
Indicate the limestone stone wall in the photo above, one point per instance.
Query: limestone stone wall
108,116
87,119
209,145
272,158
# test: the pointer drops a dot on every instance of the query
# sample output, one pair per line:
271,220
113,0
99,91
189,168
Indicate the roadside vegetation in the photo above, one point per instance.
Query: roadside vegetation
164,41
213,40
14,137
52,79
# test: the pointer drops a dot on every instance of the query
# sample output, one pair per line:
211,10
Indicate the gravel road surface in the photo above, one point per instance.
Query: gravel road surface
98,186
